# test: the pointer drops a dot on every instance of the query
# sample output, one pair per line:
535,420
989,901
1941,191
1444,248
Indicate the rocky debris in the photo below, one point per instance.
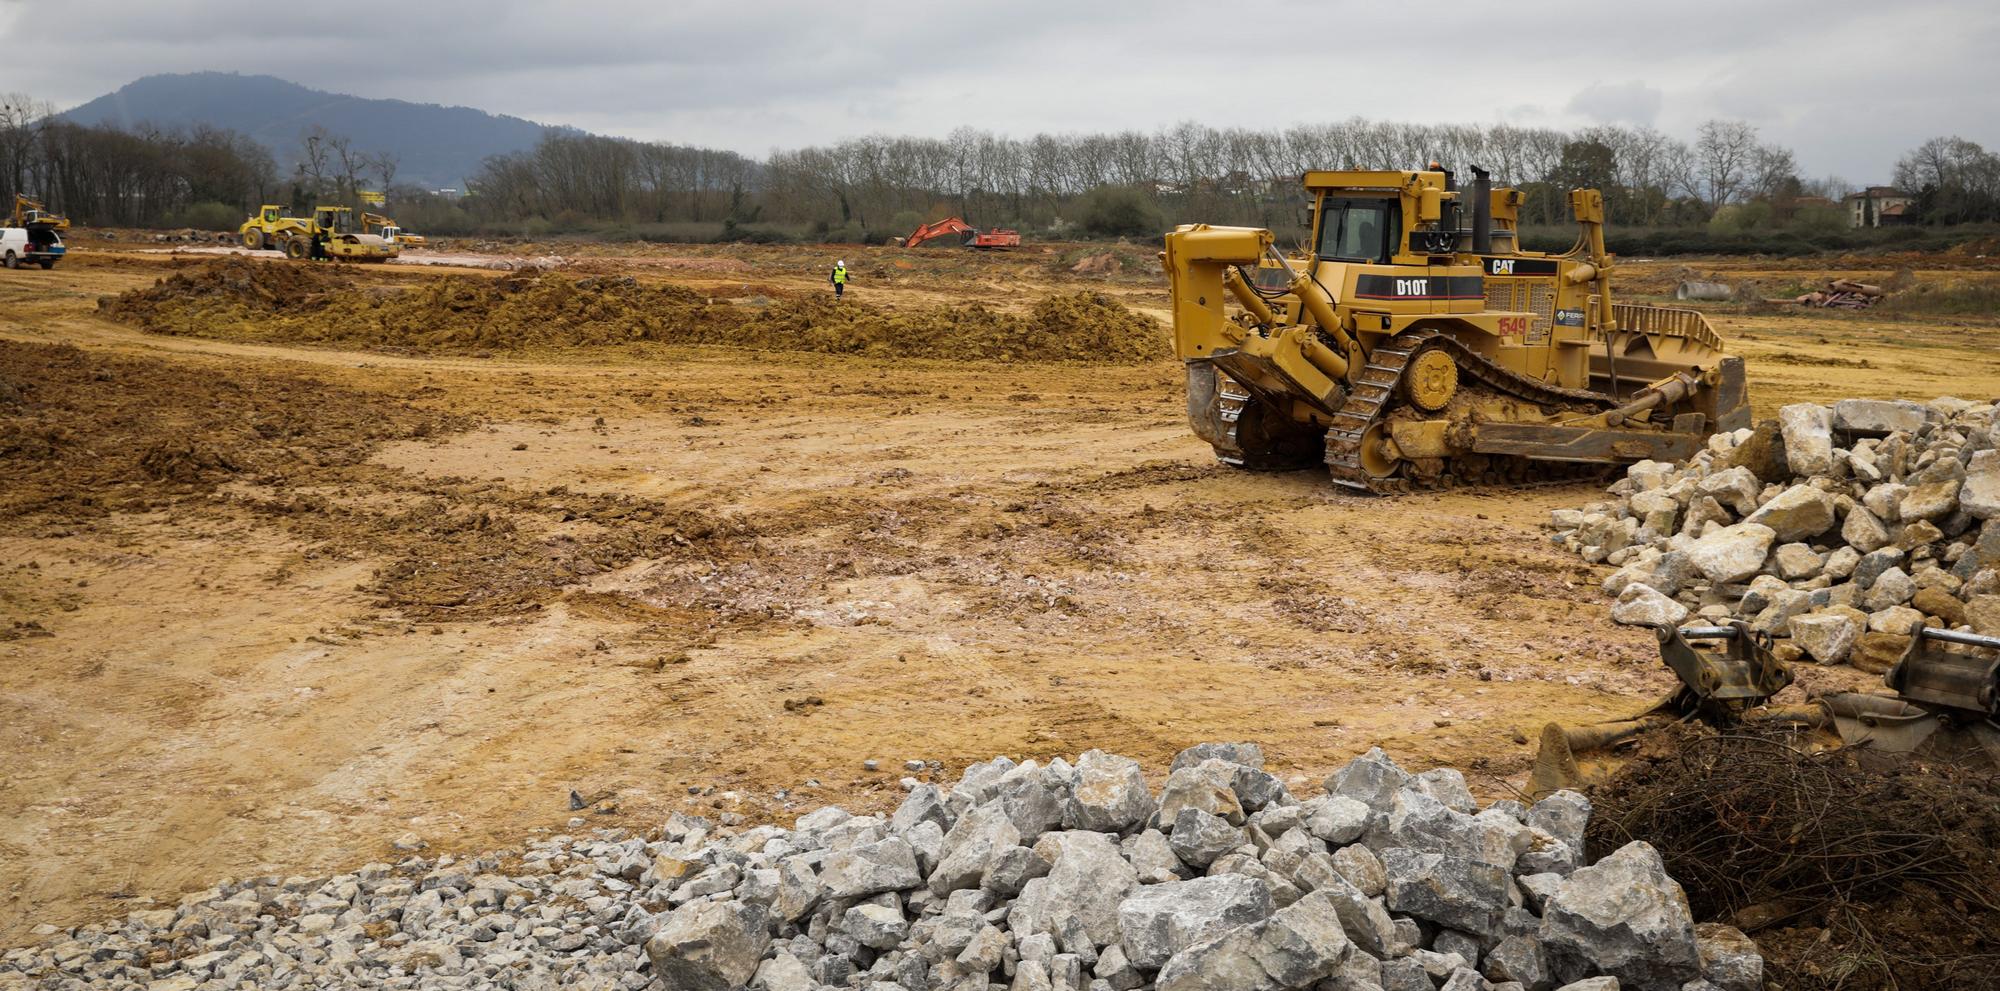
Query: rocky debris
1039,877
1840,527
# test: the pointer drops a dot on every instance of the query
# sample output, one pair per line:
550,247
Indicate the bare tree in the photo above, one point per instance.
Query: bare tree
21,120
1955,180
385,164
312,165
1725,152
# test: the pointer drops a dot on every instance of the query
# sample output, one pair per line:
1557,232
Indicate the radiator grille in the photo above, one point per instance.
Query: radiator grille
1536,298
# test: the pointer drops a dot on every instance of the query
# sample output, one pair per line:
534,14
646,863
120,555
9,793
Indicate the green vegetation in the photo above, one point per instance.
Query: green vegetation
1118,211
1944,300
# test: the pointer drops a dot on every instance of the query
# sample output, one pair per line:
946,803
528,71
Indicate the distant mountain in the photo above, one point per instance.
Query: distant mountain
435,146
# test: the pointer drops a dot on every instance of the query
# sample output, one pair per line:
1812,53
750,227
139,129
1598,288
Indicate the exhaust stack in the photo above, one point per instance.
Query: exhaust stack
1482,211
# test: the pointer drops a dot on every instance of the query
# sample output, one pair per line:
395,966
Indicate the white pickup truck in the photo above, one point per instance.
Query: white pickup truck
23,245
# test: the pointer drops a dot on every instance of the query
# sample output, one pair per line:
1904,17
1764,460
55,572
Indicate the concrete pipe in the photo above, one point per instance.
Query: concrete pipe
1704,290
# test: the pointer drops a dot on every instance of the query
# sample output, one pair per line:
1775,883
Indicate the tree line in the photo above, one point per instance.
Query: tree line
147,177
1725,177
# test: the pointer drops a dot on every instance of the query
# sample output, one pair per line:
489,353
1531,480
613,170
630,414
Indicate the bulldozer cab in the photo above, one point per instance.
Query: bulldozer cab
272,214
1354,228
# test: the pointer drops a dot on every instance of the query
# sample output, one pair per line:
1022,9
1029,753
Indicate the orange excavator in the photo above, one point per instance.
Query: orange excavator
970,236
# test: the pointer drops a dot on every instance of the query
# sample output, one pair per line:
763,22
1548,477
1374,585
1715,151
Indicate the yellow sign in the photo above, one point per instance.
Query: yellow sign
373,199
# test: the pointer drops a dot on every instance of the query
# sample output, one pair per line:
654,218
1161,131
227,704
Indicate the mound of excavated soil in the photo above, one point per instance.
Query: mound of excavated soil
244,300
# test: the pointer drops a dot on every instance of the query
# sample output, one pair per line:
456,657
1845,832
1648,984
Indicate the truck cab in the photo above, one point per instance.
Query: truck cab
38,245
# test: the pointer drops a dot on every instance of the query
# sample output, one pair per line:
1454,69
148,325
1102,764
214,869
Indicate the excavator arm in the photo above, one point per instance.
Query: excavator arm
929,232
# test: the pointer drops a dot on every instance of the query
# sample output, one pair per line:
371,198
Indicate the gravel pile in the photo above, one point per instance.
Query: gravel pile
1025,876
1840,527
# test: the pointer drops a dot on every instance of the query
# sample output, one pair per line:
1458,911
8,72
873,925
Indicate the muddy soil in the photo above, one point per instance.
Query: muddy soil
266,604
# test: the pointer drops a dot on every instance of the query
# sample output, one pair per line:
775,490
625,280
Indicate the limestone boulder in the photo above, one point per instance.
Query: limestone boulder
1732,553
710,946
1622,917
1808,433
1640,605
1797,513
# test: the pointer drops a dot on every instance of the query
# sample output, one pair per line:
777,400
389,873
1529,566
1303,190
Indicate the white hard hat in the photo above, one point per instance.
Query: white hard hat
842,263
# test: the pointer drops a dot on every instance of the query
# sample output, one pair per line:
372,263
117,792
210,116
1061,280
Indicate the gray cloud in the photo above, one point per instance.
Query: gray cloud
1630,102
1848,85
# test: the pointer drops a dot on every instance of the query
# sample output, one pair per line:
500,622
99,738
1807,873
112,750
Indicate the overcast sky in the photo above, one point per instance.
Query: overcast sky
1847,85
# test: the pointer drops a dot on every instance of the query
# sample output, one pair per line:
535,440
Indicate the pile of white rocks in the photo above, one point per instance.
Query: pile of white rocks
1839,527
1031,877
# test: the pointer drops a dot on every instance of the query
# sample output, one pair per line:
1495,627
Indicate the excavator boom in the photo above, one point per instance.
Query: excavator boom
972,237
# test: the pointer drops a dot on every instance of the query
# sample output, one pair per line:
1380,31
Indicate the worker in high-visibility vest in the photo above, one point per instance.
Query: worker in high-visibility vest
839,278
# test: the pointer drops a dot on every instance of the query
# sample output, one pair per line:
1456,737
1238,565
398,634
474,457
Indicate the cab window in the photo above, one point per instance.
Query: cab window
1357,230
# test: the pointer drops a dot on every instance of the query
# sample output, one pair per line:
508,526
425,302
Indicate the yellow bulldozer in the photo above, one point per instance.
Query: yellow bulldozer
328,234
1413,344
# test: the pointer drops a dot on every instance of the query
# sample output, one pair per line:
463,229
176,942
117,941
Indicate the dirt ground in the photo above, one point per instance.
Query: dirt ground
265,606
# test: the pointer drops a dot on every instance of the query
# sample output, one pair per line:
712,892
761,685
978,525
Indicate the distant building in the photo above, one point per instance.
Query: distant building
1878,206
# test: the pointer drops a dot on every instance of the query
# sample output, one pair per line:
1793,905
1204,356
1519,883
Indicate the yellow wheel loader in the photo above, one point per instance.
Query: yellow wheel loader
268,227
1415,345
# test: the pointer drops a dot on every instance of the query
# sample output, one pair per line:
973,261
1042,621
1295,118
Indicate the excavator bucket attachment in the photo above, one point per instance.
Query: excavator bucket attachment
1947,685
1718,687
1721,685
1930,672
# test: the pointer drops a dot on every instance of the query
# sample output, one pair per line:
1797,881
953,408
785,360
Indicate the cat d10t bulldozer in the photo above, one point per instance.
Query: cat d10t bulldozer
1415,345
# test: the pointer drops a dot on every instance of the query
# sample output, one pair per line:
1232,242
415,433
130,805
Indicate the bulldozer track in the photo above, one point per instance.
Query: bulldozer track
1370,398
